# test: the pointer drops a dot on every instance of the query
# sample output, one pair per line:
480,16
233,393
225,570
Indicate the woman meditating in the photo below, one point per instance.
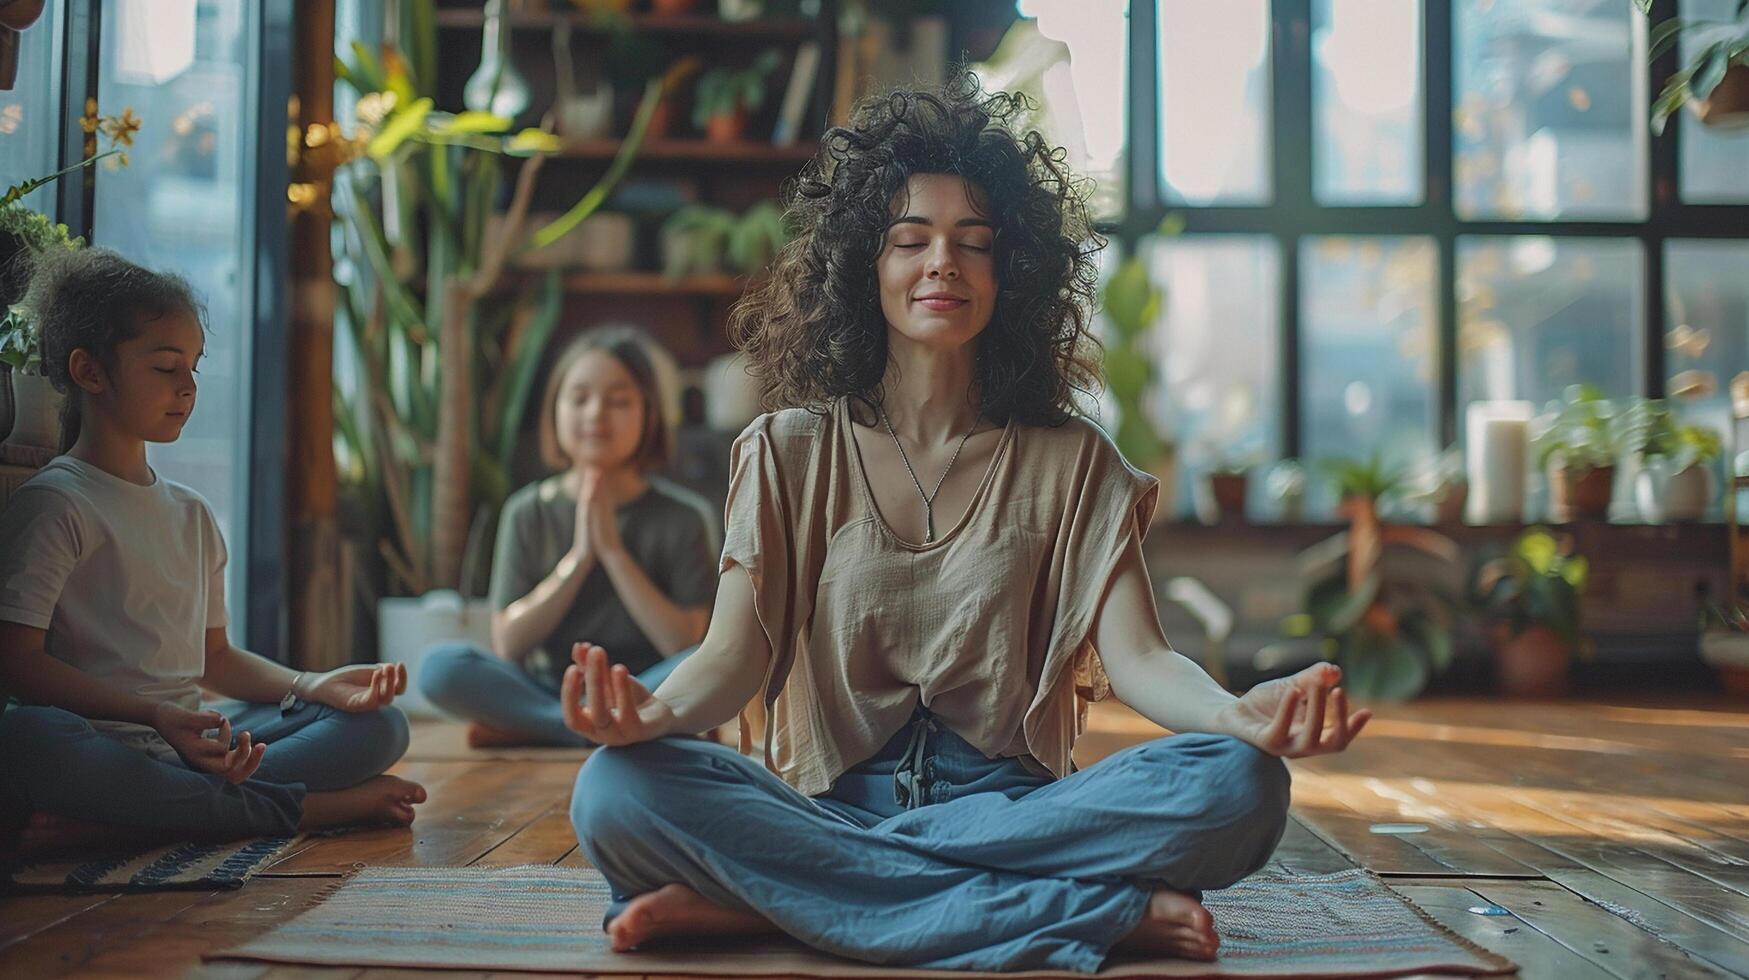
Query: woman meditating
930,560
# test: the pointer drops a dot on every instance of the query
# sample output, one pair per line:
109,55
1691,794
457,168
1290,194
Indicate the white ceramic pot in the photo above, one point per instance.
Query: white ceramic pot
736,10
1680,496
731,395
604,242
36,412
409,628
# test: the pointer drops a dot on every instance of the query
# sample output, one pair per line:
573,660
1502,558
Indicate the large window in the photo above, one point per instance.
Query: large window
30,112
178,207
1390,208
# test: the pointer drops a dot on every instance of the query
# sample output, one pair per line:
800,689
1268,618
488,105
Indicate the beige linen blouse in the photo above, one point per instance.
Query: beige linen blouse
989,625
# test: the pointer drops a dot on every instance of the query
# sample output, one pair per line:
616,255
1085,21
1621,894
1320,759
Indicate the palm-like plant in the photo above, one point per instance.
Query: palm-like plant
414,261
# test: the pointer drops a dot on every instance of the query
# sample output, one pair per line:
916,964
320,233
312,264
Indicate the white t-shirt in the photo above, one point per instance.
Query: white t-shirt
125,578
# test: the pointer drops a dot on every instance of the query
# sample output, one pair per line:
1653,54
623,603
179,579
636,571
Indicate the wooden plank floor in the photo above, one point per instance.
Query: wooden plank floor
1615,832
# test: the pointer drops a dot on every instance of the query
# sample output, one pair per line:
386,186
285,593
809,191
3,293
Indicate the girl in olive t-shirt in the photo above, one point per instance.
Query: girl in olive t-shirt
602,552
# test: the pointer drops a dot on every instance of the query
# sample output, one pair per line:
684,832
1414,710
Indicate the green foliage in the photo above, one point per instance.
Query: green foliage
1132,303
28,235
1656,433
412,216
709,239
723,90
1583,430
1717,45
1536,583
757,237
1390,638
1371,479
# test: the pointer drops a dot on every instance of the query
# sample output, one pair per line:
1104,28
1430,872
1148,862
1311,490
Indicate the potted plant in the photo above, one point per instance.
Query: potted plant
673,8
1675,481
727,98
694,241
1714,82
33,407
1132,303
1390,633
1286,485
1229,485
427,425
1530,597
756,237
1577,441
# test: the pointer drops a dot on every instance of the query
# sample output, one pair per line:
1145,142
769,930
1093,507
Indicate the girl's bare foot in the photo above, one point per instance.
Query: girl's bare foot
380,800
676,910
1174,925
46,833
486,737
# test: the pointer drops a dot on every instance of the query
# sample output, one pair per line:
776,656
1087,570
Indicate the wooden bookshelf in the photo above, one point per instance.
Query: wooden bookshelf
746,153
698,25
653,284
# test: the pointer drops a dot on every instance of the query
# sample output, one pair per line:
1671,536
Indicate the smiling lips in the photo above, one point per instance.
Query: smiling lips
941,301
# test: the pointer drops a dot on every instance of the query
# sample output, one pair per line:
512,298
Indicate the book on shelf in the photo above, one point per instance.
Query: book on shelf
797,96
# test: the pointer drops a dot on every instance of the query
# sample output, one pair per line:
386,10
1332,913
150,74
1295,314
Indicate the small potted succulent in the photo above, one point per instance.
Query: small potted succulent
695,240
1229,487
756,237
1577,441
1675,482
1530,598
728,97
1714,82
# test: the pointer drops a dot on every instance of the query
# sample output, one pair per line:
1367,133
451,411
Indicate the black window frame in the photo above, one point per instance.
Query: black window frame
1294,212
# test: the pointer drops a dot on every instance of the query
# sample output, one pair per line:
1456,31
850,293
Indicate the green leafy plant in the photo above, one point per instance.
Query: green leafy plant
26,235
1391,634
1132,303
1660,437
1536,583
425,445
1370,479
756,238
698,237
722,91
1717,45
1582,430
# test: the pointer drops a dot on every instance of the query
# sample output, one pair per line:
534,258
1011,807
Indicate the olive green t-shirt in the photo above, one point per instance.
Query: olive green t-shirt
669,530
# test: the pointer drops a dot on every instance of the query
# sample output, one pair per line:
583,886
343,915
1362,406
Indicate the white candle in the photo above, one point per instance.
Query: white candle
1497,444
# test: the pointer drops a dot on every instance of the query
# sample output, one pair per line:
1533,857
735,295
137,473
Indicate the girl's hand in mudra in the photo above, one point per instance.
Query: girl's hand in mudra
1306,714
606,704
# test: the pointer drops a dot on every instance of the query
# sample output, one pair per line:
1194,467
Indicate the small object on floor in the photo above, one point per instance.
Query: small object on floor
1488,910
145,869
1348,924
1398,828
1512,930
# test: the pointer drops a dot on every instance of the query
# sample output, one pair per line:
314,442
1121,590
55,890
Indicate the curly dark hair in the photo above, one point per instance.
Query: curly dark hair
813,331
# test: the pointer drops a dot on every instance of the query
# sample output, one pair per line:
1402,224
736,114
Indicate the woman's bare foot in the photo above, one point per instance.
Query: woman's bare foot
380,800
481,736
46,833
676,910
1174,925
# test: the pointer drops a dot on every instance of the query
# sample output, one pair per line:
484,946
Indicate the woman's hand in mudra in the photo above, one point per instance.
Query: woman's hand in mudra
1306,714
606,704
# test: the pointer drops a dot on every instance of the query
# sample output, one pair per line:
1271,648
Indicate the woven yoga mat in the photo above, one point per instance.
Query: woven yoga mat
544,918
147,869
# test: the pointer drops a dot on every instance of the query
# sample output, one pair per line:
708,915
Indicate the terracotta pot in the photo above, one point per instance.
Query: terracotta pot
661,121
1728,106
1532,664
1450,509
1580,495
1229,491
672,8
726,127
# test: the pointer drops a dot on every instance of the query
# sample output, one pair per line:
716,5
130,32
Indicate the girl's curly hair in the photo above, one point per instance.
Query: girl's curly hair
813,331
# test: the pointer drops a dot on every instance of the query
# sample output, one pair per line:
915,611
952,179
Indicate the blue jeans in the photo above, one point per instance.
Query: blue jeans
475,685
931,854
54,761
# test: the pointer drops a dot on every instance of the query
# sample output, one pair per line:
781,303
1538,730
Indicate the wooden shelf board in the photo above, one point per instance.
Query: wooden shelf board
653,284
696,151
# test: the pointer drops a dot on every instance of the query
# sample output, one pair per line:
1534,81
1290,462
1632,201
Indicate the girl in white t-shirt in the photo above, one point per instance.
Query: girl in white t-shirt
112,614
